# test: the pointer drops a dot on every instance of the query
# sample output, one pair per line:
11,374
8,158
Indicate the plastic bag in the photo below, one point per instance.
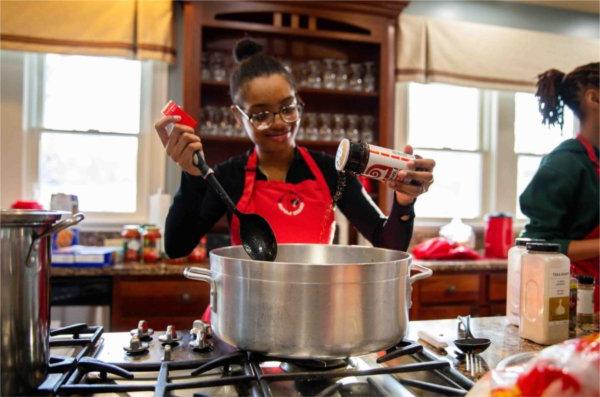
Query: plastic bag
567,369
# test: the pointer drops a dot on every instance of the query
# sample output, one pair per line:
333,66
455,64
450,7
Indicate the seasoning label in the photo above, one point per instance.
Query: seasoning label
559,308
585,301
384,164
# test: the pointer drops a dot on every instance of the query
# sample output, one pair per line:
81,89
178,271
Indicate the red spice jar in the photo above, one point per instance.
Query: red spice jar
151,244
131,243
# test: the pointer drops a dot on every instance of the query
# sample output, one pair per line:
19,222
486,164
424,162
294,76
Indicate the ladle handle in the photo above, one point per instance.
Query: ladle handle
209,175
466,323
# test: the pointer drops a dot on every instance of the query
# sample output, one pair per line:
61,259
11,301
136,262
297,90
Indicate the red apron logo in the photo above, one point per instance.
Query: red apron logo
291,204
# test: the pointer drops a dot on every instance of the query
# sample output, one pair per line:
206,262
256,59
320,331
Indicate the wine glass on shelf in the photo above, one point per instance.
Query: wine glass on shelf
329,75
352,130
311,131
325,128
369,78
205,68
216,64
341,77
338,132
367,133
314,75
355,82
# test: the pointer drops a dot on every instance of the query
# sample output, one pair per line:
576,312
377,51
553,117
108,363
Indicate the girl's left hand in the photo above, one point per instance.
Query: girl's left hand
418,177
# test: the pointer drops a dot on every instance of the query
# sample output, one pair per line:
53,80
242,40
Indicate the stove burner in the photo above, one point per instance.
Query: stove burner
292,365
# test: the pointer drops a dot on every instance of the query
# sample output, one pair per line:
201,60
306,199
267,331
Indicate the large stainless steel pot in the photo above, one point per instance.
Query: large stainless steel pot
25,247
317,301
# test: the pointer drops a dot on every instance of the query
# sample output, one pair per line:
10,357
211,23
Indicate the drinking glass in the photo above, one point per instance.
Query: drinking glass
205,70
352,130
369,79
314,75
311,131
216,65
301,74
367,133
325,128
355,82
339,132
225,122
329,75
341,77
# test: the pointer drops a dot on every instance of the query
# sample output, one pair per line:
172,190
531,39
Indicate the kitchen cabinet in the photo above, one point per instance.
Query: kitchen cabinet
448,294
298,32
162,301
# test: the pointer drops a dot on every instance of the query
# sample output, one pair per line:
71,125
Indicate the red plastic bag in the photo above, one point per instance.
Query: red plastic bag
439,248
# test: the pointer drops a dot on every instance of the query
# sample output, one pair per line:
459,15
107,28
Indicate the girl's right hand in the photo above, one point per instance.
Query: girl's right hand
180,143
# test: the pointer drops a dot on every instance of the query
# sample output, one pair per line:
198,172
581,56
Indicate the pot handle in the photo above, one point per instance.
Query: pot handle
423,272
198,273
201,274
58,226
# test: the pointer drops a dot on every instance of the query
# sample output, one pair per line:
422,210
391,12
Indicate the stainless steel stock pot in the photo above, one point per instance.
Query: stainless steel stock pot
314,301
25,246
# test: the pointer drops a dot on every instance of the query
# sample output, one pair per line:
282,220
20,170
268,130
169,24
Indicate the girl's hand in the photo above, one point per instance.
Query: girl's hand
180,143
413,181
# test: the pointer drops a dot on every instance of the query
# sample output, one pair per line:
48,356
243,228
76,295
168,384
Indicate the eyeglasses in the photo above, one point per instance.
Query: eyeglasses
263,120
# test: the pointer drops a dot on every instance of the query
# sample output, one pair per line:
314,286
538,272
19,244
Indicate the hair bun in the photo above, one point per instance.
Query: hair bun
245,48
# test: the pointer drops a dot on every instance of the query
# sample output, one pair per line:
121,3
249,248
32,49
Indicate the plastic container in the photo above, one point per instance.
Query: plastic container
513,282
371,161
585,302
545,284
498,237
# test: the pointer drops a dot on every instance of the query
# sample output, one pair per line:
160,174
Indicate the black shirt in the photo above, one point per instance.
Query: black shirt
196,207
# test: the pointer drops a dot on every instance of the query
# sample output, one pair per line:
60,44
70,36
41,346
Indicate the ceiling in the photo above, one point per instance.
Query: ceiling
589,6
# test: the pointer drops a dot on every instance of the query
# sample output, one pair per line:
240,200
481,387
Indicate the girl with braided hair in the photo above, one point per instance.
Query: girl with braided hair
562,199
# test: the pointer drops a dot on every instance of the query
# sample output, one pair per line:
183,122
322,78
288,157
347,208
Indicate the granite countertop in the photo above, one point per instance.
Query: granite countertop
166,269
505,341
127,269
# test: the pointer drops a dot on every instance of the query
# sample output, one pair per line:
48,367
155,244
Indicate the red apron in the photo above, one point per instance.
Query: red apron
297,213
590,267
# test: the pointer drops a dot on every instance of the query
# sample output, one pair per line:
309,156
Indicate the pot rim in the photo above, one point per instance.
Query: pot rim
22,217
218,253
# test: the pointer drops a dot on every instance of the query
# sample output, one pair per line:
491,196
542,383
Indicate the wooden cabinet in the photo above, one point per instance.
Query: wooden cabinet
449,294
161,301
295,31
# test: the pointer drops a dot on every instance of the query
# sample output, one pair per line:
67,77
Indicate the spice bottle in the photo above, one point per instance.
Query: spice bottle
585,302
371,161
131,243
513,284
151,244
545,276
573,307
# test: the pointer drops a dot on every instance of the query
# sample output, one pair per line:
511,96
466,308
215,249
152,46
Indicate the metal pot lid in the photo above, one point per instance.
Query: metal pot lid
29,217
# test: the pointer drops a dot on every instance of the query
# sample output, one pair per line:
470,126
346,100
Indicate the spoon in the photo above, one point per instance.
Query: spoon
470,344
256,234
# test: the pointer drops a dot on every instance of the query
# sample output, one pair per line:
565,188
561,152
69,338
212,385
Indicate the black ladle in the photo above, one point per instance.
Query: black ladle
470,344
256,234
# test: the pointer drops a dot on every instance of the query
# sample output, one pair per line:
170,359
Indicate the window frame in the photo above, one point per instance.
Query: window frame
151,158
497,145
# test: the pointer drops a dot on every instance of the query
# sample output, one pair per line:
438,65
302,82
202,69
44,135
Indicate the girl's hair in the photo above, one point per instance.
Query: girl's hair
253,62
555,89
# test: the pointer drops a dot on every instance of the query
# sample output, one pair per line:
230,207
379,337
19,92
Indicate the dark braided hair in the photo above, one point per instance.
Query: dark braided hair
252,63
555,89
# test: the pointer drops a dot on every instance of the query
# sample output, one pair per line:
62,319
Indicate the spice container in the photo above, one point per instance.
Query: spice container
371,161
573,307
151,244
131,243
585,302
513,284
545,287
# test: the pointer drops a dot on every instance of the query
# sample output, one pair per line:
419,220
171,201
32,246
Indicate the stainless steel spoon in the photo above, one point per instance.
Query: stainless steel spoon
256,234
470,344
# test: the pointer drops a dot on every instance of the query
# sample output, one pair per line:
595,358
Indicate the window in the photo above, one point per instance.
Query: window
444,124
487,146
533,139
92,132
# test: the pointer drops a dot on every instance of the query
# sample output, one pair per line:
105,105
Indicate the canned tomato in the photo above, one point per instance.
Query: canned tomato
151,239
131,243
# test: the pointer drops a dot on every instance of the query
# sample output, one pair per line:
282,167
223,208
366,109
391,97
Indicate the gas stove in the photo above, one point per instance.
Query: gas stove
85,361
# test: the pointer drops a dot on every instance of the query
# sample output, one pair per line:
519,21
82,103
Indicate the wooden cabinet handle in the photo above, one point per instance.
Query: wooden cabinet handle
451,289
186,297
